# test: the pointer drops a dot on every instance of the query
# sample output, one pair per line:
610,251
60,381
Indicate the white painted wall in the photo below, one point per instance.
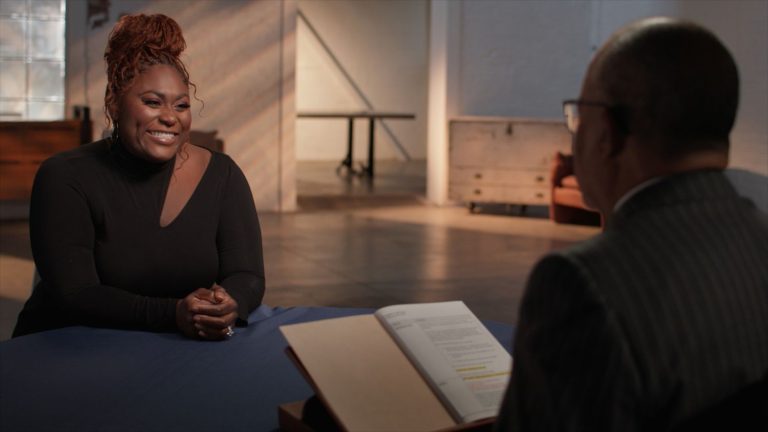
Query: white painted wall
522,58
241,56
383,47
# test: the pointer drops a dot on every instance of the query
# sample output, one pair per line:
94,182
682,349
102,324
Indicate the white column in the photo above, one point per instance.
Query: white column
444,37
287,193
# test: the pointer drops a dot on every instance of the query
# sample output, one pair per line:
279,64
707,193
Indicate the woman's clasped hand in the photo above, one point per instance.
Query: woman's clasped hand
208,314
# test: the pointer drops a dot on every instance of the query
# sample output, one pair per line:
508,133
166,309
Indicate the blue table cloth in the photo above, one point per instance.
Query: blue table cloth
89,379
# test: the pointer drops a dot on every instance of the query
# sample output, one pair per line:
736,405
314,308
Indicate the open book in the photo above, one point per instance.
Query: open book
426,367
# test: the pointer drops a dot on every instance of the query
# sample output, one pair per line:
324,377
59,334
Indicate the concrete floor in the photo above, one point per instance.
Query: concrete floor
354,244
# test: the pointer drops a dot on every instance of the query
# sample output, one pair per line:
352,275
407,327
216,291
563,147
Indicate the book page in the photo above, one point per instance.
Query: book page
464,363
363,377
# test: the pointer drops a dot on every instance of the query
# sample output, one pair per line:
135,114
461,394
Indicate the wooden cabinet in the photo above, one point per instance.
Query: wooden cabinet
25,145
503,160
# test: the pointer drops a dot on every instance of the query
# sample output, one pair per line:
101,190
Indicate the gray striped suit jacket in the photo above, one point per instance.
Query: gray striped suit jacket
652,322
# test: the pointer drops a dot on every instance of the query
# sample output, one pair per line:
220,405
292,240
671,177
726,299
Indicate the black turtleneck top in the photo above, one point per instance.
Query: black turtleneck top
103,258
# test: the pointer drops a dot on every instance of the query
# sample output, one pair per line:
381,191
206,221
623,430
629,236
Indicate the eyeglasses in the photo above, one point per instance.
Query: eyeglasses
571,112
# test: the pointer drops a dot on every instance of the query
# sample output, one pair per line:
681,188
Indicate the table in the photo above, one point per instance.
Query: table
351,116
81,378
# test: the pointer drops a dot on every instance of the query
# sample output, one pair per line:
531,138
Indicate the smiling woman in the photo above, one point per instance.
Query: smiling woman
143,229
154,117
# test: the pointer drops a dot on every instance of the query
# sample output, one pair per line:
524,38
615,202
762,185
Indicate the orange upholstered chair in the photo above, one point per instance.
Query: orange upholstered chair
567,204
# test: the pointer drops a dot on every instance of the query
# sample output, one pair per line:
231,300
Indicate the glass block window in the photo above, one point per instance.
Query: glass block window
32,59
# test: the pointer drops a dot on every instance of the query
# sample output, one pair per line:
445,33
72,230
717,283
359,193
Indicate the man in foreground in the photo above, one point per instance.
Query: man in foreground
661,321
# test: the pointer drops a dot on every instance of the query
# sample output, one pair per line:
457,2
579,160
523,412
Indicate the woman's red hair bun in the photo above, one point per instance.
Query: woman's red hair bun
152,35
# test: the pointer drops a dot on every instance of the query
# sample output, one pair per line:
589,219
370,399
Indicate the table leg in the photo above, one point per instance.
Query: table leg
371,129
347,162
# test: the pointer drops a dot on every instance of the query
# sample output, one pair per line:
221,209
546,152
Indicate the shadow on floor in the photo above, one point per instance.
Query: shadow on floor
336,202
321,186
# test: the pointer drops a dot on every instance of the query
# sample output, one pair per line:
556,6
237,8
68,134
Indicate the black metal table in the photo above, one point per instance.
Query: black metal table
372,116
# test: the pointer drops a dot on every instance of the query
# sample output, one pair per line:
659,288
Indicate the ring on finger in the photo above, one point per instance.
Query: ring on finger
230,331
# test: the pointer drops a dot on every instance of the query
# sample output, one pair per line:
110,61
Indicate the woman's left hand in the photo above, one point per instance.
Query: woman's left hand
215,319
